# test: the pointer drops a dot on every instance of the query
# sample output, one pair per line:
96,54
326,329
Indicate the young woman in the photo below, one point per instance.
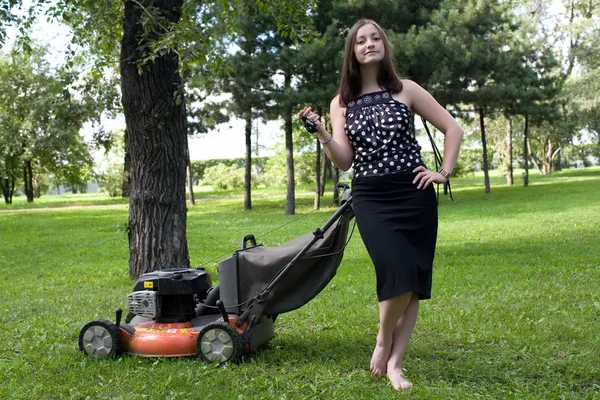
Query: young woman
392,190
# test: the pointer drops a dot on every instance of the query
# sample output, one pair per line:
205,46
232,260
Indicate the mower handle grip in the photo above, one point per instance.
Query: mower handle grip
248,238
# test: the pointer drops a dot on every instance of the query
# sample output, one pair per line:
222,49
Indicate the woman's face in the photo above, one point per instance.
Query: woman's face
368,47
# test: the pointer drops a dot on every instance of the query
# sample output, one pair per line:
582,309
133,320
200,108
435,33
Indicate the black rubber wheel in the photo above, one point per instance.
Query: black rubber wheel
100,338
219,342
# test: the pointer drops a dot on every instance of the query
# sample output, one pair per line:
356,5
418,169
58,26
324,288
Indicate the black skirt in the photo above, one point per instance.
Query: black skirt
398,224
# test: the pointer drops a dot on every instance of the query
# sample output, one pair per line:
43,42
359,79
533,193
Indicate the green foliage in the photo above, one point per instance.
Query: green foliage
222,177
514,313
276,167
466,165
582,155
40,119
111,180
74,166
266,171
226,177
304,158
199,167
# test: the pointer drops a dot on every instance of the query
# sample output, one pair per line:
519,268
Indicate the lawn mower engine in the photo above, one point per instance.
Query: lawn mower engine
168,296
162,319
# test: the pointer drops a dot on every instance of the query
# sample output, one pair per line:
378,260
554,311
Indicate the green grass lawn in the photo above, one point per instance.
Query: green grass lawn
515,312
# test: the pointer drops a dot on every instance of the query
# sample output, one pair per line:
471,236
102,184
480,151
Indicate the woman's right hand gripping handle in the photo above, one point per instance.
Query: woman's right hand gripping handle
336,145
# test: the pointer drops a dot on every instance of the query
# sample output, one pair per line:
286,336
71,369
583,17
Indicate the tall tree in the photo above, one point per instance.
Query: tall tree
247,80
40,120
155,34
155,117
283,71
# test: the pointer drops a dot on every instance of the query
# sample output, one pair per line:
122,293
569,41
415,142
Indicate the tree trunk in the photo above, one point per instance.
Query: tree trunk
190,176
486,174
248,164
126,185
290,202
28,180
335,178
317,202
550,156
37,187
539,162
157,142
509,152
558,163
526,153
324,173
4,187
8,189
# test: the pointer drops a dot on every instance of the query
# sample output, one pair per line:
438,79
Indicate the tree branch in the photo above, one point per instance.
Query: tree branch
148,13
555,153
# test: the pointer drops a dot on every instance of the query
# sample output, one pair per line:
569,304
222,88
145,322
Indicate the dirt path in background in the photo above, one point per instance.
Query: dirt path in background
58,206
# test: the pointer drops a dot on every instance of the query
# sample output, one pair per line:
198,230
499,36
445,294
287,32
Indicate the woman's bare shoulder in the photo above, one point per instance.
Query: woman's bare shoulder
335,102
409,84
335,107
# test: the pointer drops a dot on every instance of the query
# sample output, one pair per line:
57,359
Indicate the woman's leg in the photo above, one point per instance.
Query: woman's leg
401,336
390,313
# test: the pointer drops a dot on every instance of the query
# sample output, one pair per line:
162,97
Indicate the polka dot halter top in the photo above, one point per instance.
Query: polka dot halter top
381,134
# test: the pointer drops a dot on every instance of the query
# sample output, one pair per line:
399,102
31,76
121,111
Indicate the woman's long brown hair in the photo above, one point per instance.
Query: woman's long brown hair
351,82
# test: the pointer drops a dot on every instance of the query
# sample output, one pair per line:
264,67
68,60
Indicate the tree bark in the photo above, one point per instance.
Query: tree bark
548,158
538,162
4,187
126,186
324,173
248,164
558,163
290,202
28,180
190,176
157,143
336,179
526,153
551,156
484,145
8,189
509,152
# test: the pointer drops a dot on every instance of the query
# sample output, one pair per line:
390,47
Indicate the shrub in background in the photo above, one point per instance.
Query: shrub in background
111,180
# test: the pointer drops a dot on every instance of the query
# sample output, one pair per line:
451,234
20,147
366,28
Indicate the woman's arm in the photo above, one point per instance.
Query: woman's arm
337,146
426,106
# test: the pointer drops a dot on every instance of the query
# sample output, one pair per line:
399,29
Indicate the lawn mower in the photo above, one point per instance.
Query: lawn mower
177,312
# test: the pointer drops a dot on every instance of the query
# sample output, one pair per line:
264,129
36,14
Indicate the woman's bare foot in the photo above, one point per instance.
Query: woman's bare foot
399,382
380,357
